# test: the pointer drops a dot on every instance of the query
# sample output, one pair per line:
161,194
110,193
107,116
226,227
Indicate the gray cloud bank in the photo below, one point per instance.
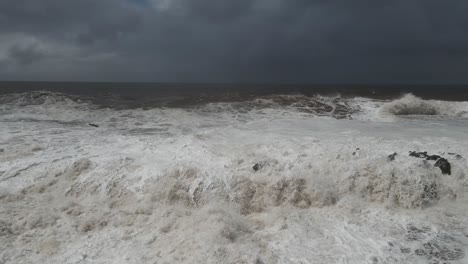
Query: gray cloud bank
317,41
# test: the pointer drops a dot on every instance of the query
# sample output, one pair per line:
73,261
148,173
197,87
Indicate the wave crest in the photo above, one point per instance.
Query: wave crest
412,105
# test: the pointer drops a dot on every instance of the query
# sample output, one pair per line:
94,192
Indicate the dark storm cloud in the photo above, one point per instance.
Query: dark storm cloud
218,10
67,19
244,40
25,55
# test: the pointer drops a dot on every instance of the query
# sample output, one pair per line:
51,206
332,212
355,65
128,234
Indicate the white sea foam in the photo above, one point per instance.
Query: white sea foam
213,184
412,105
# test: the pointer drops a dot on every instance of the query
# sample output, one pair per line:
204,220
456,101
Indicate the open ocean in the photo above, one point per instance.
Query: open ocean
209,173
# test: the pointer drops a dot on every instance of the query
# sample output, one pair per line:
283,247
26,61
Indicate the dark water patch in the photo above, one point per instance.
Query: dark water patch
441,249
50,121
437,247
147,131
136,95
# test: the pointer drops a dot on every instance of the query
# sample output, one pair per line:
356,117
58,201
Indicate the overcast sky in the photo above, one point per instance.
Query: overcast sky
299,41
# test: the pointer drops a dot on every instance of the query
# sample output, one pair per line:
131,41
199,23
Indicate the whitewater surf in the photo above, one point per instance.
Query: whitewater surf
273,178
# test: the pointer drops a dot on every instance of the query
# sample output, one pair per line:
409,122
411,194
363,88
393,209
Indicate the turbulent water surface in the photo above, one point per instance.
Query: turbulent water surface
259,179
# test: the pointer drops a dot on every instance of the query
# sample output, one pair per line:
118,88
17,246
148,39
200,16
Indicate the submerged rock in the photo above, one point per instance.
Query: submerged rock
457,156
391,157
258,166
418,154
433,157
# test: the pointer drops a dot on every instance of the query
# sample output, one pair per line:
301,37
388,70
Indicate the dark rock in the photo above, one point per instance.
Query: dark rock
441,163
258,166
355,152
93,125
262,164
418,154
391,157
433,157
444,166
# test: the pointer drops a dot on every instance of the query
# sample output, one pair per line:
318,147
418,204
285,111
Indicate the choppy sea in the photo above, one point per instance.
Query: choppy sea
146,173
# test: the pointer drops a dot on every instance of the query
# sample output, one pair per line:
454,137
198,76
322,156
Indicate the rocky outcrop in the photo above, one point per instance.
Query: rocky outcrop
444,166
441,162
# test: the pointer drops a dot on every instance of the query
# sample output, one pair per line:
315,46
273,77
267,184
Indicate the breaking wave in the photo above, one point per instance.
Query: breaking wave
335,106
412,105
